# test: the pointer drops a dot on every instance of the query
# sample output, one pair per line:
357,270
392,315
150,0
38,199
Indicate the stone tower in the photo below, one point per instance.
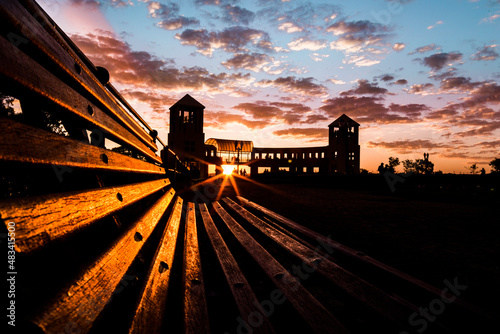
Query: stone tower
343,146
186,137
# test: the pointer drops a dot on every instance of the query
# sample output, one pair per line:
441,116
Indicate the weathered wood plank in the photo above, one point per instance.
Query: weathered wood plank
80,304
396,310
24,143
43,36
195,305
18,69
246,300
336,246
151,307
42,219
303,252
313,312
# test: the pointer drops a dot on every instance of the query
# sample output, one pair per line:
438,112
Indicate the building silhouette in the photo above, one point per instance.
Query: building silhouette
186,140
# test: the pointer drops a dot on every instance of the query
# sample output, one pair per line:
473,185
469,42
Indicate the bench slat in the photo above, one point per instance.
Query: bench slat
195,305
44,218
393,309
49,42
19,69
354,253
149,313
291,245
82,302
23,143
313,312
245,298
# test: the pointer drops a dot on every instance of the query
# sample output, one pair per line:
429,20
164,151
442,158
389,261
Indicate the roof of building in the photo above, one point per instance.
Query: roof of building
188,101
228,145
344,119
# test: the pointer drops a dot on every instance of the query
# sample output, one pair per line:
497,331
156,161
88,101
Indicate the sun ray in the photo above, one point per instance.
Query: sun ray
222,186
233,183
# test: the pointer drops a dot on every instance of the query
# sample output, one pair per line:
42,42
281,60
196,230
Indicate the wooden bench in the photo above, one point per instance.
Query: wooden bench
104,244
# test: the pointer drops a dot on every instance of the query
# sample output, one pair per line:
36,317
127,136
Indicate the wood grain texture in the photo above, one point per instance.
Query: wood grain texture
195,305
27,144
42,219
80,304
336,246
394,309
33,79
151,307
314,313
243,295
45,40
296,248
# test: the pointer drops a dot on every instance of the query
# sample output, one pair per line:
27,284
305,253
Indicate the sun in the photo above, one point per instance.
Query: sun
228,169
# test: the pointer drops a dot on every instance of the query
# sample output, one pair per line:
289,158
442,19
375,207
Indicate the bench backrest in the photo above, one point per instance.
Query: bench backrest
67,197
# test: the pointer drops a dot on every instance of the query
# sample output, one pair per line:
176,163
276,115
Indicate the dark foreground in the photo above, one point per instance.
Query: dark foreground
445,228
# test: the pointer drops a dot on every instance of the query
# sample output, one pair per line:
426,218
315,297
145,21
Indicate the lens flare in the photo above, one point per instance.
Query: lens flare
228,169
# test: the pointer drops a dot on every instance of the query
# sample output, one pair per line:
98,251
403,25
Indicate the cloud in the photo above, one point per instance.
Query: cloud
280,112
305,43
169,15
385,77
214,2
434,25
157,102
238,14
232,39
313,134
318,57
398,46
337,81
290,27
221,119
490,18
475,111
426,48
143,70
253,62
438,61
482,130
98,3
299,16
400,82
407,145
364,87
486,53
360,61
412,110
353,36
301,86
367,109
420,89
444,113
459,84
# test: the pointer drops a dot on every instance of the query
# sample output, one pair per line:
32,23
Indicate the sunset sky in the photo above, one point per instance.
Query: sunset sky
419,76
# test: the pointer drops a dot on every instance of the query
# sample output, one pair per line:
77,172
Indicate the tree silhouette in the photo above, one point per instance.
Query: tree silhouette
409,166
495,165
419,166
473,168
